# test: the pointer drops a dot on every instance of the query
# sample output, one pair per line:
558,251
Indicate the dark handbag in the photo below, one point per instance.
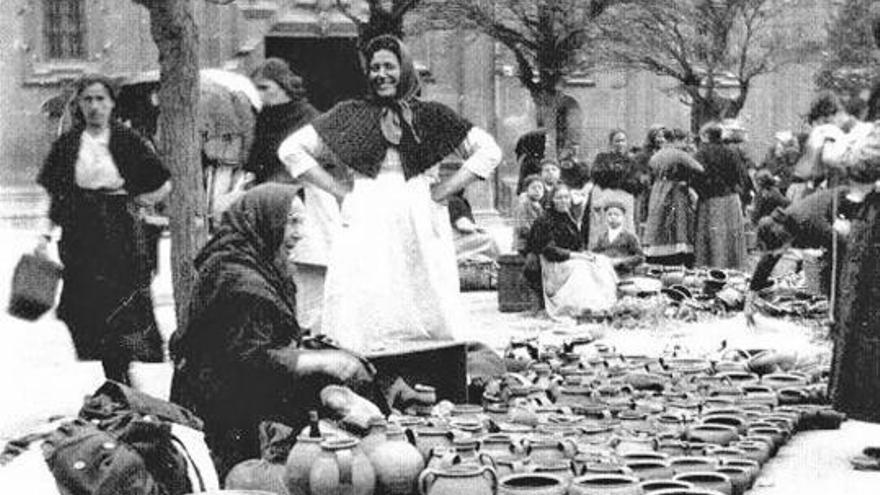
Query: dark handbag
34,285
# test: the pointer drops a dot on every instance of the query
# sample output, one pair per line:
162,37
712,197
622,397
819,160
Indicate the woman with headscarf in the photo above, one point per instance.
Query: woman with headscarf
99,175
669,231
575,281
286,109
613,180
720,229
238,361
392,274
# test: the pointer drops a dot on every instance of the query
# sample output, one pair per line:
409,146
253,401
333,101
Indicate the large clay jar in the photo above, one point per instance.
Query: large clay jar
299,463
547,450
511,464
460,480
497,445
605,484
429,438
468,451
376,435
531,484
397,464
342,469
709,480
740,478
735,420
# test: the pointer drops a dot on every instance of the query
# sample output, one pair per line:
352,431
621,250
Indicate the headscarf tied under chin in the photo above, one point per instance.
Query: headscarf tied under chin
396,112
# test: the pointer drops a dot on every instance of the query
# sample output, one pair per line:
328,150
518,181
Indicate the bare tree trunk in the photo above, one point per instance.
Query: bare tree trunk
176,35
547,104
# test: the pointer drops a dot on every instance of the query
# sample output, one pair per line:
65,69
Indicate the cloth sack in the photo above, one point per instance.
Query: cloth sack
34,285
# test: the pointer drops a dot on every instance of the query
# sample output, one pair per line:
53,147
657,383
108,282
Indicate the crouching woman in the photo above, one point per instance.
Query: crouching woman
238,360
576,282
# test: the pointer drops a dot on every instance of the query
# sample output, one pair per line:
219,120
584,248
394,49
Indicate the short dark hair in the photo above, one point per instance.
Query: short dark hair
825,105
615,132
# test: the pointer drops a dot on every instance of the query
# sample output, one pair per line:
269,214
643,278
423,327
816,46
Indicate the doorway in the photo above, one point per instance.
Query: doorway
330,67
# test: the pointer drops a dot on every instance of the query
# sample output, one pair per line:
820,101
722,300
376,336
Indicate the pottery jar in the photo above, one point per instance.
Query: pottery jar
650,469
531,484
299,463
782,422
759,394
741,378
565,470
644,456
497,412
740,479
672,447
397,464
606,467
605,484
460,480
712,433
511,464
468,450
627,444
738,422
756,451
466,425
670,423
709,480
659,486
777,381
724,453
753,469
731,366
767,440
376,435
497,445
634,421
688,464
443,458
547,450
341,469
777,434
430,438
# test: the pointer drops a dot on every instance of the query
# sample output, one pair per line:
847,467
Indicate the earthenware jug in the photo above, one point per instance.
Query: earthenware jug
397,464
459,480
429,438
468,450
341,469
532,484
605,484
709,480
299,463
547,450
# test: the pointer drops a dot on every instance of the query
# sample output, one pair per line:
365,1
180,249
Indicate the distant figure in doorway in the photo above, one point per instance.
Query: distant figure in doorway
530,148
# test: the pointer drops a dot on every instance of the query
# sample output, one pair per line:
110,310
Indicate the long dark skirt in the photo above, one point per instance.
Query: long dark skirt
720,239
671,220
855,369
105,298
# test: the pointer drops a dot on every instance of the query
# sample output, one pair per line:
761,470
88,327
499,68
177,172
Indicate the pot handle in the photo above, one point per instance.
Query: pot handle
486,459
493,478
426,480
410,436
568,447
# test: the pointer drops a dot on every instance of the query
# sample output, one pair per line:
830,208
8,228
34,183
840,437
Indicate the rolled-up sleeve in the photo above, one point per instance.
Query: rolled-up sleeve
300,151
481,152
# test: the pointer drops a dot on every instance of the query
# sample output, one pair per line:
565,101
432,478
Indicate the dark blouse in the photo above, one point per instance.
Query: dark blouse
556,235
616,171
626,249
725,172
274,124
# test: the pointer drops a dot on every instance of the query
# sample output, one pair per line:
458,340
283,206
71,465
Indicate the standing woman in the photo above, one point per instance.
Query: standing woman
392,274
612,176
669,231
98,176
720,237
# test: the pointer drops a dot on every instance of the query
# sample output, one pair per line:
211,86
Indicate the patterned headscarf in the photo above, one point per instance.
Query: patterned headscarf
396,112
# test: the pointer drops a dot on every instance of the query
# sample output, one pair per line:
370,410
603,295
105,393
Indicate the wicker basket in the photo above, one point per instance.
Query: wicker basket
477,275
514,293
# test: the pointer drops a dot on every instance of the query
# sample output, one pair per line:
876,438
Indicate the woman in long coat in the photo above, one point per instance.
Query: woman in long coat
614,180
238,361
98,176
392,274
720,237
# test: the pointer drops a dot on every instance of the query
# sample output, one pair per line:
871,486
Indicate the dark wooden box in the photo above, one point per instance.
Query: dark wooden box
443,365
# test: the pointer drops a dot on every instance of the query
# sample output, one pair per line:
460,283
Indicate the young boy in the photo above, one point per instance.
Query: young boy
617,243
528,208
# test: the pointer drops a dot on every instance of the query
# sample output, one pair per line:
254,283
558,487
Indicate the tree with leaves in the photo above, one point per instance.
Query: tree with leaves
849,60
545,37
711,48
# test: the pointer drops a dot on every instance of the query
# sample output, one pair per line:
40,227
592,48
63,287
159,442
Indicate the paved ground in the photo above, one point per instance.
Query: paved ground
39,376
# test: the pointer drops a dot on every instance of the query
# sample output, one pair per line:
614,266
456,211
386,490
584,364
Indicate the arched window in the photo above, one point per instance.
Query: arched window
64,29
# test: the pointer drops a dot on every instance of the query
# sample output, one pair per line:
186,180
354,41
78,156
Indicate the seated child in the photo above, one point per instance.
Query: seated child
528,208
617,243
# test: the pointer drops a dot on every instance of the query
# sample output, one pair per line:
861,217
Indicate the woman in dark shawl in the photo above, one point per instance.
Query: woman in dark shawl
98,176
392,275
237,361
613,176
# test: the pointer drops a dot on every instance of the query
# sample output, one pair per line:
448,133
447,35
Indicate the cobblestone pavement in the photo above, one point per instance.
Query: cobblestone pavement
40,378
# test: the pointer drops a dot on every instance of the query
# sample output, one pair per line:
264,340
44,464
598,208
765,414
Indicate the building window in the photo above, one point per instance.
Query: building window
65,29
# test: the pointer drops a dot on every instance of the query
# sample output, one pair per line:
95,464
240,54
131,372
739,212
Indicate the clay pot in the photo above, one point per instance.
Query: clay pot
476,480
573,396
724,453
605,484
548,450
531,484
673,448
376,435
689,464
341,468
443,458
753,469
669,423
650,469
759,394
709,480
736,421
645,456
606,468
777,381
714,282
497,412
740,478
299,463
741,378
397,465
628,444
756,451
507,465
777,434
657,486
429,438
712,433
497,445
564,470
468,450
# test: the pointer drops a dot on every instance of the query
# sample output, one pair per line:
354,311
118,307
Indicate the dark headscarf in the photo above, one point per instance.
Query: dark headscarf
241,255
359,132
